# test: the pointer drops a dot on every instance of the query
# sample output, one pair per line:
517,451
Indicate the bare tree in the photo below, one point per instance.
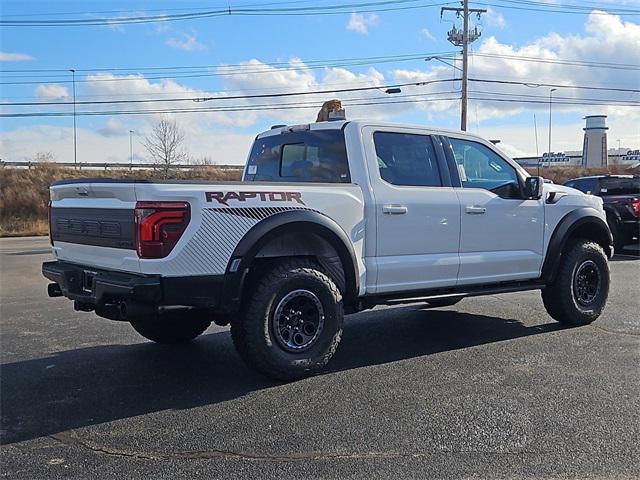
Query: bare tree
165,144
43,157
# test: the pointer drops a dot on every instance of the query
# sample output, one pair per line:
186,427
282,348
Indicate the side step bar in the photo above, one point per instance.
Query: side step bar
475,292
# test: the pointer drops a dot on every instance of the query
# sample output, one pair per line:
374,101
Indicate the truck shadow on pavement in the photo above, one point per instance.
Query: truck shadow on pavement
88,386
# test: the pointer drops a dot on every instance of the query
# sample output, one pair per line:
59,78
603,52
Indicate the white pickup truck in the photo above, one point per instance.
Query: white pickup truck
330,218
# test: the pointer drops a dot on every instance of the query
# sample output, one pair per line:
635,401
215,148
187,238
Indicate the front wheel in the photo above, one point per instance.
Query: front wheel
291,324
579,293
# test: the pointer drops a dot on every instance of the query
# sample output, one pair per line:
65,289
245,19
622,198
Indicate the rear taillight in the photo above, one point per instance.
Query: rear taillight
635,206
49,219
159,226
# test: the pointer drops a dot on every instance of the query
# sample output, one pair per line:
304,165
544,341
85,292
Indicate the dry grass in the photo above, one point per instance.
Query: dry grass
24,194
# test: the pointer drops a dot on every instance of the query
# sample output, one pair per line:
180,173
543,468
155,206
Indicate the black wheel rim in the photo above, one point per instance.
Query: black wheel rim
586,283
298,320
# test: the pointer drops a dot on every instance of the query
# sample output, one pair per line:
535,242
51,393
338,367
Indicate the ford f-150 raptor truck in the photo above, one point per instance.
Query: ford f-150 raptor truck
330,218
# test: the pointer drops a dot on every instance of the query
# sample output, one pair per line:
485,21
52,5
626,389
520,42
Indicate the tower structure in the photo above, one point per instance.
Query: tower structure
594,147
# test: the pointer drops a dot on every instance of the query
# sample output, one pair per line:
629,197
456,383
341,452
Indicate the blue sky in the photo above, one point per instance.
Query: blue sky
588,37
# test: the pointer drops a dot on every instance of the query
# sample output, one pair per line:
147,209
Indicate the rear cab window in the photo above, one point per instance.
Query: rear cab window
619,186
299,156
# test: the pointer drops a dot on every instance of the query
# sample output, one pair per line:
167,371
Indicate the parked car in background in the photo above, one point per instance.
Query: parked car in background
621,196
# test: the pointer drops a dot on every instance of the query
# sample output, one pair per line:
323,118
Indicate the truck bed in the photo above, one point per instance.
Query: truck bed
93,221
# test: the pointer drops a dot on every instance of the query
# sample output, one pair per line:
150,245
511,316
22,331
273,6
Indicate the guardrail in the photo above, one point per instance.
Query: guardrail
116,166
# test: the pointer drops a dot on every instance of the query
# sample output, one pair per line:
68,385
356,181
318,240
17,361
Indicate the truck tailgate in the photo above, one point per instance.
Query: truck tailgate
93,224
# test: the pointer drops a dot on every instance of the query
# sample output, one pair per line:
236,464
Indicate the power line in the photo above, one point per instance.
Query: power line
554,8
363,101
360,7
232,108
335,9
546,102
559,61
546,98
238,97
587,8
222,97
238,65
330,62
556,85
262,4
222,70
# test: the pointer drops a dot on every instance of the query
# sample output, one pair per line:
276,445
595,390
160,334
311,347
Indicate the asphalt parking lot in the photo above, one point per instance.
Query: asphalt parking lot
489,388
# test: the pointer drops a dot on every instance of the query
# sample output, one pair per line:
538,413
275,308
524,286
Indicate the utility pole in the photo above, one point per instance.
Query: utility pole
535,128
75,154
130,149
550,103
463,39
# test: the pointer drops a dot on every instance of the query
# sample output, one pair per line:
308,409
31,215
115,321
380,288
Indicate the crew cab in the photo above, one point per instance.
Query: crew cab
621,202
330,218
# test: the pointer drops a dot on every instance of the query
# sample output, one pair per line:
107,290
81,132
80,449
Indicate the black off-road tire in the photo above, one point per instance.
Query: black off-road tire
561,299
171,328
253,331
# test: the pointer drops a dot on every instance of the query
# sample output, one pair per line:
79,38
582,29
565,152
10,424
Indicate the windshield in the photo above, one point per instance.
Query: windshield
308,156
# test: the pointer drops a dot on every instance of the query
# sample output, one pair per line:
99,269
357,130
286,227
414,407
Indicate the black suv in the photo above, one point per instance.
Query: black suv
621,196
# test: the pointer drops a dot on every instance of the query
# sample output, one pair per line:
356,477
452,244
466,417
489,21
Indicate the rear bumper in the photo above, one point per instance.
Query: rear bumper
96,288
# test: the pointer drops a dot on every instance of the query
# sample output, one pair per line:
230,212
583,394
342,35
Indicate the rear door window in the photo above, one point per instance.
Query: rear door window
407,159
306,156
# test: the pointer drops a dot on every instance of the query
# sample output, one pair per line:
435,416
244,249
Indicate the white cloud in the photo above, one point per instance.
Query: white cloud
52,91
425,33
14,57
126,87
113,128
361,23
185,41
606,38
495,19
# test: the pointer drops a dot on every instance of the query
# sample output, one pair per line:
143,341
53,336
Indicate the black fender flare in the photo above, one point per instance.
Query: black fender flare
284,222
566,227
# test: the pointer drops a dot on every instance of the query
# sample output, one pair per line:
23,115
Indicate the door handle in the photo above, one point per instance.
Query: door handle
475,210
394,209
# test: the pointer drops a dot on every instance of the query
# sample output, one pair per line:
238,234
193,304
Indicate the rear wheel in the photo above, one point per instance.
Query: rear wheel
171,328
291,323
581,288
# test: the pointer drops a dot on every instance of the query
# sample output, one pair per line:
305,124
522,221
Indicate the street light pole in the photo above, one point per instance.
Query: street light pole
131,149
550,102
75,154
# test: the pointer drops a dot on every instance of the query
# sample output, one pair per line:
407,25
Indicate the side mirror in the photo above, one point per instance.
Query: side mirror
533,187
